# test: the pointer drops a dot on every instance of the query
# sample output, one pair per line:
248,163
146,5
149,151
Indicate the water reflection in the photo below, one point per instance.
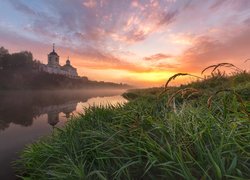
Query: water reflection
53,111
25,116
23,107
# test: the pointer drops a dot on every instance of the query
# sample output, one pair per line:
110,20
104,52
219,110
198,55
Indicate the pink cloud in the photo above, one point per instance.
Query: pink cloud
207,51
90,3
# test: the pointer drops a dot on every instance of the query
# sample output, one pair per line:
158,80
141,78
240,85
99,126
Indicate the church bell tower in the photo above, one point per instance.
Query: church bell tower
53,58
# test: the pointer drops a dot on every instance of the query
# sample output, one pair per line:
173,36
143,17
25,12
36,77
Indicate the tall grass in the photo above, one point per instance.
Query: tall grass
145,139
216,66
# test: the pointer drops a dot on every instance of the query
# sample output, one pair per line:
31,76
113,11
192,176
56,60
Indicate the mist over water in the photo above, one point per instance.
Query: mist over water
25,116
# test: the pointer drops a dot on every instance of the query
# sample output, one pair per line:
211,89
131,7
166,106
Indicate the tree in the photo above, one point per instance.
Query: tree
17,60
3,52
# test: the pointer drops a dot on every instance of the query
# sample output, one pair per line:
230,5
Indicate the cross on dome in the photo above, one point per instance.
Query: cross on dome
53,47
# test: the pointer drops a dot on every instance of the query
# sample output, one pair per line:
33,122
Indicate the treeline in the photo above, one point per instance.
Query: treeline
18,71
13,61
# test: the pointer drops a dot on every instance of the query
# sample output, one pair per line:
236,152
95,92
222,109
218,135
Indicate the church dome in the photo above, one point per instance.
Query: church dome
53,53
68,61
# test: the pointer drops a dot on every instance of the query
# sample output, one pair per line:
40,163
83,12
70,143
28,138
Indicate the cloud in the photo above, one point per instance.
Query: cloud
218,4
157,57
22,7
207,51
183,38
150,17
89,3
94,25
100,19
240,5
116,34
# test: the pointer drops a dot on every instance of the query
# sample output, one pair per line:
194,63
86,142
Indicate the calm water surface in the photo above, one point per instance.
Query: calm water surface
25,116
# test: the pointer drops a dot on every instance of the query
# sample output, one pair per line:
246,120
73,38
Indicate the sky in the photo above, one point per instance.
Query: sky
139,42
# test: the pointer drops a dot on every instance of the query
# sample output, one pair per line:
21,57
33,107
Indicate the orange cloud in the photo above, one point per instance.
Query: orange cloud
157,57
207,51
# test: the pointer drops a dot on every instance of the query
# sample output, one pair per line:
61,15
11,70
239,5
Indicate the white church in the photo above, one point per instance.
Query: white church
53,66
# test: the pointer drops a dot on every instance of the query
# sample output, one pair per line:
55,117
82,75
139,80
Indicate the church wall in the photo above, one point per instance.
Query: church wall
54,70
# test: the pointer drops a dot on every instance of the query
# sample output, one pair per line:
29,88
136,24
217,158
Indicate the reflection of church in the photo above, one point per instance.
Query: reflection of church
67,109
53,66
54,111
53,118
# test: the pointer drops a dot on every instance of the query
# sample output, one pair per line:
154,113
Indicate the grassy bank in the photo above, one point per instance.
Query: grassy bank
198,134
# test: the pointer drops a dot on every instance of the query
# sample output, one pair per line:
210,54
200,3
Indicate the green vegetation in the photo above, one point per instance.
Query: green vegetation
201,132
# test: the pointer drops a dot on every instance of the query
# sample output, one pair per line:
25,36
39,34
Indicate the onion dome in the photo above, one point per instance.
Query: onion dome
53,52
68,61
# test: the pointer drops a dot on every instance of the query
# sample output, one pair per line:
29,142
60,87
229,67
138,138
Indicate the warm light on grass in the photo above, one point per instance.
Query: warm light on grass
146,139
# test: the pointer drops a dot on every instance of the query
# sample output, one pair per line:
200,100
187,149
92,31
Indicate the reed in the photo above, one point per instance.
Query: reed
177,75
216,66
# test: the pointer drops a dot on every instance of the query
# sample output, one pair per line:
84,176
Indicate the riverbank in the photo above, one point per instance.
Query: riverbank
196,131
26,116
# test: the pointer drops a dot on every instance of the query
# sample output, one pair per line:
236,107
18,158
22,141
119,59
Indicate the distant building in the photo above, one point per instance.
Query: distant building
53,66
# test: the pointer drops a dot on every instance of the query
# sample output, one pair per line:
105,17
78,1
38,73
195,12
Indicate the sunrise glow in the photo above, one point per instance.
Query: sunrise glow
139,42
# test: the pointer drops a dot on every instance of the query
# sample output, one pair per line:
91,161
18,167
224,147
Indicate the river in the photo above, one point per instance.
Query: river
25,116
